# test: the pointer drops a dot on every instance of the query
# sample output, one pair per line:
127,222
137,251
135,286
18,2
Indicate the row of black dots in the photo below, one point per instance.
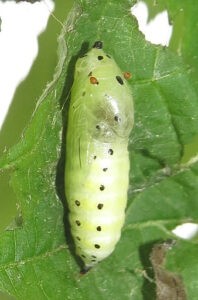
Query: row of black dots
110,151
93,257
99,206
93,80
116,118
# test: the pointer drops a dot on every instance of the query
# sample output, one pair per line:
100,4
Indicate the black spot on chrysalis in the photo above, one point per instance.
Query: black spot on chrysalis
78,223
97,45
99,228
119,80
110,151
105,169
100,206
117,118
77,203
97,246
100,57
102,187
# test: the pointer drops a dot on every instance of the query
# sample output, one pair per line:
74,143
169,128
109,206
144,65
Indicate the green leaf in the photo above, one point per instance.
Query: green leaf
37,258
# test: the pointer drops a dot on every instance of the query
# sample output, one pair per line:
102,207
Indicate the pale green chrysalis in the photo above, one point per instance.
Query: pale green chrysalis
97,162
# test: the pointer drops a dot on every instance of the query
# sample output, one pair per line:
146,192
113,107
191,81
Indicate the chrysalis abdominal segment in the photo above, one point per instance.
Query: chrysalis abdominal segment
97,162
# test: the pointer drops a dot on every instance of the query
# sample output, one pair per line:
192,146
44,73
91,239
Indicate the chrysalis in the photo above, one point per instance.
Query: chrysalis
97,161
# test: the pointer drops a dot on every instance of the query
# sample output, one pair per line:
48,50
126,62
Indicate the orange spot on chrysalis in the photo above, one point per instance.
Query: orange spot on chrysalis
127,75
93,80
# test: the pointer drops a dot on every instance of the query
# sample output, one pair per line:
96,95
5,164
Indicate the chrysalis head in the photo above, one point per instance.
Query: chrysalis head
98,45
